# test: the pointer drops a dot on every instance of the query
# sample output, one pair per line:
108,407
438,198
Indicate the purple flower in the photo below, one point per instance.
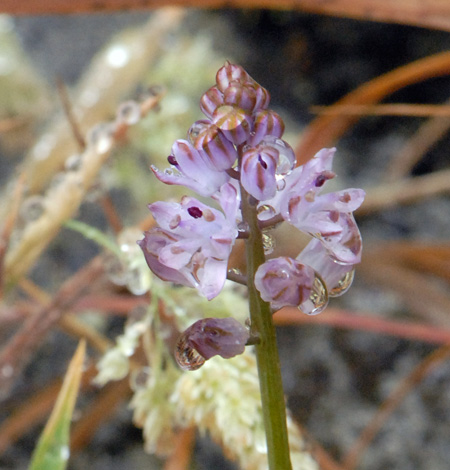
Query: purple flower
338,277
327,217
209,337
192,244
263,164
190,169
266,122
221,153
258,171
234,122
284,281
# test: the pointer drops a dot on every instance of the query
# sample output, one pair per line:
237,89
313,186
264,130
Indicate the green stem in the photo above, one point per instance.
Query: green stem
271,387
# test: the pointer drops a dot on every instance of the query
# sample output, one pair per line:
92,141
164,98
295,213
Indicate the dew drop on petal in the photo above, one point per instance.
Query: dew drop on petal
32,208
281,184
129,113
343,285
269,243
266,212
318,298
187,357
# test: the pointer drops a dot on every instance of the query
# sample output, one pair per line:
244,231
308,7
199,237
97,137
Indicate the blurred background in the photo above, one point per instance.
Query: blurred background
336,372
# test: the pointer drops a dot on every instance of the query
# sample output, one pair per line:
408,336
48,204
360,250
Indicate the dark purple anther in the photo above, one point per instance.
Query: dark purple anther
195,212
172,160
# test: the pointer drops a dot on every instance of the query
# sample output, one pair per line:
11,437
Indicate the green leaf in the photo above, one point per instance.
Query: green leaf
93,234
52,451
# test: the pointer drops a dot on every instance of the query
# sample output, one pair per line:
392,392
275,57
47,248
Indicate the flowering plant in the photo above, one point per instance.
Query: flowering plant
238,158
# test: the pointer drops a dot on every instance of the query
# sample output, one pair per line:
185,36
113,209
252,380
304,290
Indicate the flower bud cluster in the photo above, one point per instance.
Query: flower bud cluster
238,151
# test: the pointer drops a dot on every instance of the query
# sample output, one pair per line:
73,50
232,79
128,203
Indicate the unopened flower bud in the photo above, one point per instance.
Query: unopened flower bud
230,73
209,337
286,282
266,123
220,151
233,122
210,101
258,172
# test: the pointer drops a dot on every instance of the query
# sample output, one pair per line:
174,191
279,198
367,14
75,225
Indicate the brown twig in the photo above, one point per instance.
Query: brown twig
8,226
429,13
352,458
399,109
423,297
416,147
68,111
337,318
110,212
182,453
326,129
100,410
405,191
19,349
33,411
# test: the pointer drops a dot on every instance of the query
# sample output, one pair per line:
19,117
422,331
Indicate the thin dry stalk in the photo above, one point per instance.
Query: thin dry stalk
182,453
99,411
60,204
70,115
393,401
34,410
336,318
19,349
326,129
8,227
428,13
423,297
399,109
405,191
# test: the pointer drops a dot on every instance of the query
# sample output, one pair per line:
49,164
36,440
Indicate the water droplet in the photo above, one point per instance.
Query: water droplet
195,130
318,298
187,357
235,271
89,97
73,163
57,180
266,212
138,280
117,56
343,285
129,113
65,452
42,149
32,208
115,270
139,378
269,243
7,371
101,137
281,183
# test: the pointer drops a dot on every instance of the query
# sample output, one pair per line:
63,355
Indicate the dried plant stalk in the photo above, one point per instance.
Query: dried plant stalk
324,130
428,13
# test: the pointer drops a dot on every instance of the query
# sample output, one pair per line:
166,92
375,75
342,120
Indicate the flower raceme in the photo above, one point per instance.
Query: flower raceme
238,151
